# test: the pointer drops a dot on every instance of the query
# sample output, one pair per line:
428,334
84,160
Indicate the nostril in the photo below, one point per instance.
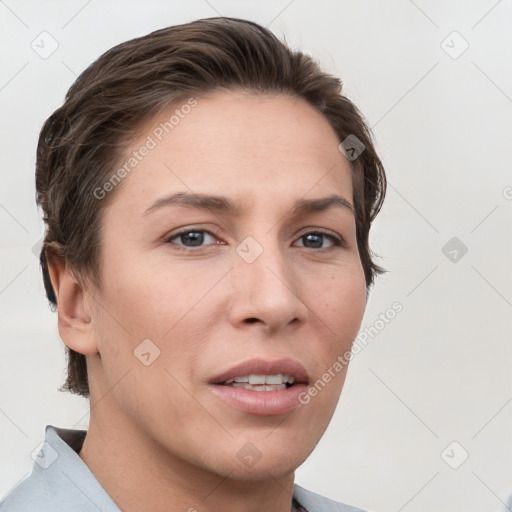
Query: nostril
252,320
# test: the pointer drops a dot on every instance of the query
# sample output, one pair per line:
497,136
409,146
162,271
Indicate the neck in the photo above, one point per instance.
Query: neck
139,474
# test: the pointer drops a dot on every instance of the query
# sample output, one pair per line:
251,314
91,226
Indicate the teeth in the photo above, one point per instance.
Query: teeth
259,387
278,379
272,379
259,379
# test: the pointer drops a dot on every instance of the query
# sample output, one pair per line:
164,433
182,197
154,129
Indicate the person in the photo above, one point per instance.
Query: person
208,195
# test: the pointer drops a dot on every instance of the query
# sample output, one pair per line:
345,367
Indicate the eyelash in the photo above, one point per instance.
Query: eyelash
335,239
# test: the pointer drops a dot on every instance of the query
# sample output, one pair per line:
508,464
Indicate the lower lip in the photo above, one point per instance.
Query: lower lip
260,402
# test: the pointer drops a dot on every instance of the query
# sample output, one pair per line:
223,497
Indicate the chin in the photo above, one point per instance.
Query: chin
274,467
251,465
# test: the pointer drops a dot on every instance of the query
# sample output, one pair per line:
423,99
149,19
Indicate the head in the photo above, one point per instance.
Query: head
217,107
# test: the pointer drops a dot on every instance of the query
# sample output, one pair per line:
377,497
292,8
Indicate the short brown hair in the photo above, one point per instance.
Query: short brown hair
81,142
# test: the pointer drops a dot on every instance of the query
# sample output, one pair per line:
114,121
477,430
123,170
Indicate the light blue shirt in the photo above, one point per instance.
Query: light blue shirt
61,482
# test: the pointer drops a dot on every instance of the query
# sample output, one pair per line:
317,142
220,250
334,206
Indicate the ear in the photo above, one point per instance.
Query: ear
74,320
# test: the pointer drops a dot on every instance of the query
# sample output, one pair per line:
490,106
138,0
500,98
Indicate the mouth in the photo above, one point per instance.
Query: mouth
255,382
261,386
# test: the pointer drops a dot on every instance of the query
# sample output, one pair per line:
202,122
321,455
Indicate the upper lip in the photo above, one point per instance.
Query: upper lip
260,366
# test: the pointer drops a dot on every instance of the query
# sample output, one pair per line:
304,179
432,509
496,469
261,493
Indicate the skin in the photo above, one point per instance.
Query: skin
158,435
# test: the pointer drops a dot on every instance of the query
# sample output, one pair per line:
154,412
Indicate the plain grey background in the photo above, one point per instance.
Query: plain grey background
425,417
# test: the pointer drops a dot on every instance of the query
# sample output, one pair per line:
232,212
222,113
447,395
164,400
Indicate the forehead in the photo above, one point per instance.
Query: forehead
252,147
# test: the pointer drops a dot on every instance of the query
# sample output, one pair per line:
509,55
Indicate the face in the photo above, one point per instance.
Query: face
258,277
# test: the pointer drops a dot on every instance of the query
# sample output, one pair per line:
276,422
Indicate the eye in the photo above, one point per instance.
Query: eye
190,237
315,239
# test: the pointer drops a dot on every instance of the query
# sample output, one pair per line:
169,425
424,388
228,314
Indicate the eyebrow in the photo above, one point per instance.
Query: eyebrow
224,205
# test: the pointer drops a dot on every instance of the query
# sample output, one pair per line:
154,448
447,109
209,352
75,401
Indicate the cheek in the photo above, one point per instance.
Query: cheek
340,306
341,301
149,298
168,305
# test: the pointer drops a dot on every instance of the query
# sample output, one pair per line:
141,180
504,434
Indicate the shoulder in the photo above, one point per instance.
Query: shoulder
60,480
314,502
30,494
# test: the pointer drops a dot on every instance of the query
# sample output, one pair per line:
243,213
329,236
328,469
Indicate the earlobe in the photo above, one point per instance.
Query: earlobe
74,319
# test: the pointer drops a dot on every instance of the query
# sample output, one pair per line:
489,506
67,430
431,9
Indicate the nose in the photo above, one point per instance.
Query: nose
267,291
